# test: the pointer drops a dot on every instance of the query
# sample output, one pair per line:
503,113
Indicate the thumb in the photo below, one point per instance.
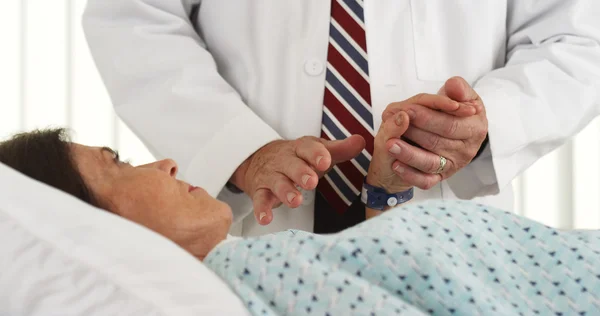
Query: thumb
396,126
346,149
458,89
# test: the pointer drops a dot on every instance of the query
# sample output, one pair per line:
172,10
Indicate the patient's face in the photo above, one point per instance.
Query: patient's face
150,195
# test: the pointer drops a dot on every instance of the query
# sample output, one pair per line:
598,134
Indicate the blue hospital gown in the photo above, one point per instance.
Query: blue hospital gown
439,258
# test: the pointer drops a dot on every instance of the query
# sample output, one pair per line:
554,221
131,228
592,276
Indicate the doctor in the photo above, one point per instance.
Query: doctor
231,88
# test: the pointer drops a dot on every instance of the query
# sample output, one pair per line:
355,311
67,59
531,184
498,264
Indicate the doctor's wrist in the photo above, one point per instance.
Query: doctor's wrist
236,183
485,143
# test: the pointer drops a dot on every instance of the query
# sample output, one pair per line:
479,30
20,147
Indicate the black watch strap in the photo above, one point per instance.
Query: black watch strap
483,145
233,188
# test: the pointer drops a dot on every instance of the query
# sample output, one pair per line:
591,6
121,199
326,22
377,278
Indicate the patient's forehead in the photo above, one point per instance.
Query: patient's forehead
94,163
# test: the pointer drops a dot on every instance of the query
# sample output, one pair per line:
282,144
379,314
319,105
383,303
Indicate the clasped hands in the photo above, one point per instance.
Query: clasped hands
413,135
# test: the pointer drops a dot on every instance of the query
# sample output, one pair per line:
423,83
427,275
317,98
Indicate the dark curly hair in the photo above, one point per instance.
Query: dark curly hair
45,155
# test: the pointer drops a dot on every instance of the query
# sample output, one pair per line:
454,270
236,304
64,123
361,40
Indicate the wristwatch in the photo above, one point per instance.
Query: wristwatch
378,198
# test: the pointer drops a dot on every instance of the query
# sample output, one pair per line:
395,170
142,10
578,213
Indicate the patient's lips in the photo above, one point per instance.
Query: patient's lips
192,188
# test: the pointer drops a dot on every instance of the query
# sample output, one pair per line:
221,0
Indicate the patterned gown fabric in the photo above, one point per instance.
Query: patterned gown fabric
438,258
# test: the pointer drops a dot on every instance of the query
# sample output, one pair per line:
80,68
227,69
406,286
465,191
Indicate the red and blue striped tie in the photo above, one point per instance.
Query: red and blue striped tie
347,101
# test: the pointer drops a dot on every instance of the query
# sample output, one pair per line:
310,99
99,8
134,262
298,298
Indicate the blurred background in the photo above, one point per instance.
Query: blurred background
47,78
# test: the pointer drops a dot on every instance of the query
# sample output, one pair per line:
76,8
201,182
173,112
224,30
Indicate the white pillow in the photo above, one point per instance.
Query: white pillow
60,256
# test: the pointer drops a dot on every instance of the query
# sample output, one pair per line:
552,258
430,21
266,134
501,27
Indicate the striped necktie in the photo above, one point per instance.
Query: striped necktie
347,101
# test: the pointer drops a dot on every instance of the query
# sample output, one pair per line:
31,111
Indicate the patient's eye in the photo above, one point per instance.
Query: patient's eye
115,155
118,160
125,162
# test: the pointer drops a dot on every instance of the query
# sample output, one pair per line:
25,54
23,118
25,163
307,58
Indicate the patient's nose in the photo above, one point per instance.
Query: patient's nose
167,165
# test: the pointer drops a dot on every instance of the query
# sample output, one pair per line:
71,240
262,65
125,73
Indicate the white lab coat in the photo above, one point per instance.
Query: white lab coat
210,92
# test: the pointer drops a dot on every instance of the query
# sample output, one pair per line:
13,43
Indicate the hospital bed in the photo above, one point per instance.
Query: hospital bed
60,256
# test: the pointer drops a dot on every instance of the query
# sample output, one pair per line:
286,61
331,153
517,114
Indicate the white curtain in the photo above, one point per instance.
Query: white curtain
47,78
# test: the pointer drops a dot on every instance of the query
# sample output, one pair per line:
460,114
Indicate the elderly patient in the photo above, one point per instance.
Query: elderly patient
434,258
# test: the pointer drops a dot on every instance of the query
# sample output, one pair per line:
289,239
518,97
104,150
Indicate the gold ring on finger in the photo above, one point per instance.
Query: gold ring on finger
443,162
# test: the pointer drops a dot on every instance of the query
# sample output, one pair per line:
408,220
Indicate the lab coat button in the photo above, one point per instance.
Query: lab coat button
313,67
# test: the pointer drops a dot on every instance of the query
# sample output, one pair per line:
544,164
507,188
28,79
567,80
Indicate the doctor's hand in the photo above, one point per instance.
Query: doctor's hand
272,174
455,135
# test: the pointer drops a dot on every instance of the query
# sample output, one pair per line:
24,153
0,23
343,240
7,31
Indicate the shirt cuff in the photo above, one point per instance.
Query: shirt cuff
228,149
476,179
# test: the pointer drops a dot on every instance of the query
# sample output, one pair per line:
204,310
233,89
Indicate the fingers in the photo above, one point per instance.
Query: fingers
314,153
439,123
283,168
459,89
417,158
264,202
464,110
430,141
280,189
432,101
322,154
435,102
344,150
284,189
301,173
415,177
447,106
396,126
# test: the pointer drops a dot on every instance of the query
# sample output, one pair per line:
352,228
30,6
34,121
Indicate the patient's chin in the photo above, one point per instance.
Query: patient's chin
228,214
206,233
223,212
205,242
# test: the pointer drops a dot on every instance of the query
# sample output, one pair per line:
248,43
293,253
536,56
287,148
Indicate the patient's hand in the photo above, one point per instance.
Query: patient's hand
383,167
271,174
